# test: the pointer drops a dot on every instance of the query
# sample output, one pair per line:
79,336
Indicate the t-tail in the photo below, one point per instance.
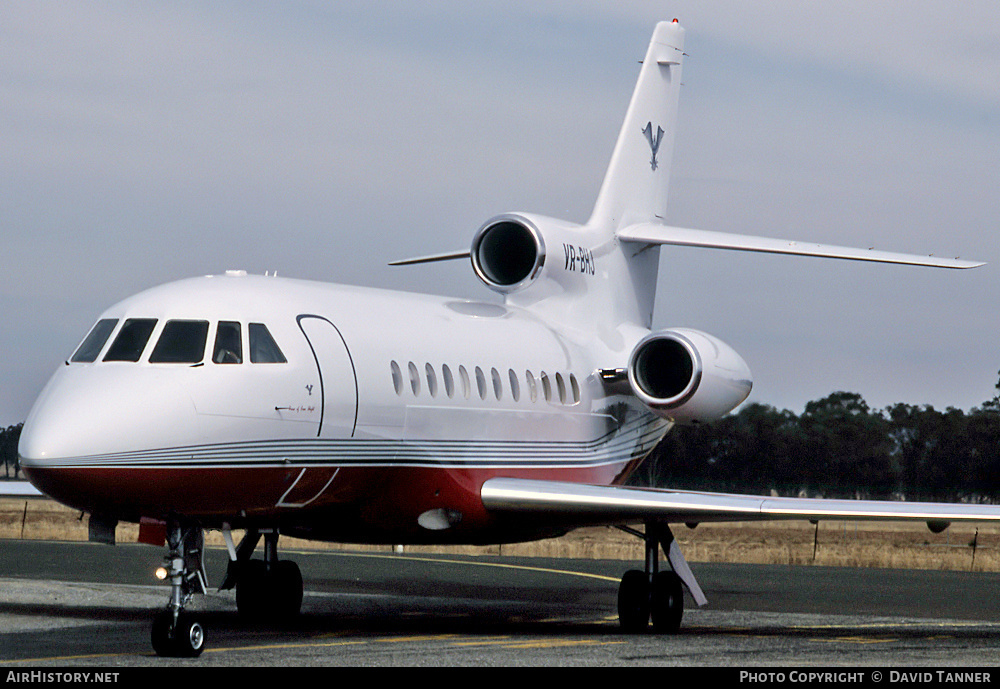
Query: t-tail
604,272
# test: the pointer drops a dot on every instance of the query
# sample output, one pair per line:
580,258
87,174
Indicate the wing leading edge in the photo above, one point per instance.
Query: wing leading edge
588,505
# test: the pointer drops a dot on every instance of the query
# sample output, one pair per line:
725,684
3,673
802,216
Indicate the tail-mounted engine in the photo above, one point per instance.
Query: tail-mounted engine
688,376
509,252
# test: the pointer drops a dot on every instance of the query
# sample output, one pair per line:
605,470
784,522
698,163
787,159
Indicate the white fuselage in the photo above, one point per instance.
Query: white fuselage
385,401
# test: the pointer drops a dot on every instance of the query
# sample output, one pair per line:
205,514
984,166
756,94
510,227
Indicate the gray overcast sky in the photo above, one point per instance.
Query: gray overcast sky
147,142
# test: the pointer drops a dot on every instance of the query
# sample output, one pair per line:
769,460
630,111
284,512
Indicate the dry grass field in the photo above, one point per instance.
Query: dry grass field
836,543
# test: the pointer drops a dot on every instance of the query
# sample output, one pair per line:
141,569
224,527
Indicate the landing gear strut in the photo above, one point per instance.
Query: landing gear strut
175,632
652,595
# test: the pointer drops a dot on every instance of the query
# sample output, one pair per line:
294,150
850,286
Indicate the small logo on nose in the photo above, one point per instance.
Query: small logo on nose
654,142
310,389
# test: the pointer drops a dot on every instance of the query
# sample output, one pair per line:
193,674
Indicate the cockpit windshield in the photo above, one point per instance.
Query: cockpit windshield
91,348
228,343
179,342
131,340
263,348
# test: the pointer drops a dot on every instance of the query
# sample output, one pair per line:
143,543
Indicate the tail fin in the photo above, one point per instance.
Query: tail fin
635,185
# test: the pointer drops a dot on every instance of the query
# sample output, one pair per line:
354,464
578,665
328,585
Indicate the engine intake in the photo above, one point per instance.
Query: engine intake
688,376
508,253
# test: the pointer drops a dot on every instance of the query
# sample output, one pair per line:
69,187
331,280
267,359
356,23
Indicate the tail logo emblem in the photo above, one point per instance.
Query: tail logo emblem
654,142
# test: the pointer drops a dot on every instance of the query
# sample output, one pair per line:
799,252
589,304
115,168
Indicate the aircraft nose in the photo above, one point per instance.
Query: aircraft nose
87,414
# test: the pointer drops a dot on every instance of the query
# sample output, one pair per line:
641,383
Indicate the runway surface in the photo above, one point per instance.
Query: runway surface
82,604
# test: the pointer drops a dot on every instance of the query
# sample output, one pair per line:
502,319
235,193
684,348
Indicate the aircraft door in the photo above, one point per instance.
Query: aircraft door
338,381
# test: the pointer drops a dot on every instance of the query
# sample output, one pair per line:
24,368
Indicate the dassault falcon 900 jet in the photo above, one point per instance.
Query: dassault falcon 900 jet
278,406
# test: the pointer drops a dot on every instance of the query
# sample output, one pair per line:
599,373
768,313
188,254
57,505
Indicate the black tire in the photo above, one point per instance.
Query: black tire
186,640
287,583
189,637
161,636
633,602
251,590
666,603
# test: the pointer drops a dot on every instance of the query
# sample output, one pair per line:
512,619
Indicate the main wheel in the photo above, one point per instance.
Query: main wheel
251,590
274,596
633,601
287,582
666,602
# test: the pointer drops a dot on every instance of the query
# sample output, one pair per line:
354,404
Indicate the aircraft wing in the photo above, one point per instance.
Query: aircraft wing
588,505
653,233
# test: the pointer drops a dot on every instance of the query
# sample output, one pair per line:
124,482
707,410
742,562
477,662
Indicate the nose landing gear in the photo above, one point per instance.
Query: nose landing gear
177,633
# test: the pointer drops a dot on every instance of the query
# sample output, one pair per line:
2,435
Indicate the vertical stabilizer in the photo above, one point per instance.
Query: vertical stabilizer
635,185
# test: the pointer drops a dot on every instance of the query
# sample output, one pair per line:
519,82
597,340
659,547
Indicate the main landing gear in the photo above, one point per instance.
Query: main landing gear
655,596
268,590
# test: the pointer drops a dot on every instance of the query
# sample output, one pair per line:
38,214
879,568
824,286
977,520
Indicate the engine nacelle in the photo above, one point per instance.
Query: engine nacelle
688,376
509,251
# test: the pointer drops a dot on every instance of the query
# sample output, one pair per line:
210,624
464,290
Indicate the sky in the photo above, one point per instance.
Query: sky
144,142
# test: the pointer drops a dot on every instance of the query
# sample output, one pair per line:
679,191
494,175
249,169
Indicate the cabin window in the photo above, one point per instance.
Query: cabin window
529,378
181,342
561,388
397,378
131,340
497,384
228,343
546,386
414,379
263,348
88,351
575,387
466,385
481,383
515,389
449,381
432,386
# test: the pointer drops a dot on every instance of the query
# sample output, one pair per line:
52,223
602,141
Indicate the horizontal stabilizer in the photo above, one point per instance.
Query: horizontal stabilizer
581,505
450,256
654,233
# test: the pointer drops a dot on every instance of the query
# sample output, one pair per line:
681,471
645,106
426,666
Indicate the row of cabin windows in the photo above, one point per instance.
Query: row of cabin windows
564,389
180,342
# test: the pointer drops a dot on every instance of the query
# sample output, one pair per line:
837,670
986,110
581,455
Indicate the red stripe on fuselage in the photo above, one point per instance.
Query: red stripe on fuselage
370,505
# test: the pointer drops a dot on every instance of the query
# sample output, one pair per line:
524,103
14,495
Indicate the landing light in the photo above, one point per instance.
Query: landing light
161,573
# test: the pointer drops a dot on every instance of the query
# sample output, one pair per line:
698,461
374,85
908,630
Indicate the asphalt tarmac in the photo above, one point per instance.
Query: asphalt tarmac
81,604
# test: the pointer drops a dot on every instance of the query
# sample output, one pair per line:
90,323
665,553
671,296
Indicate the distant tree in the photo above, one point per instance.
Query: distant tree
8,450
838,447
847,449
931,450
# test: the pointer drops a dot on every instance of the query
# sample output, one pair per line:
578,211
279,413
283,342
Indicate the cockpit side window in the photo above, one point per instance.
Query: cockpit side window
131,340
228,343
263,348
92,346
181,342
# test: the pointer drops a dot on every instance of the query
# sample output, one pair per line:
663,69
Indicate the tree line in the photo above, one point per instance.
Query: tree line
8,450
838,448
